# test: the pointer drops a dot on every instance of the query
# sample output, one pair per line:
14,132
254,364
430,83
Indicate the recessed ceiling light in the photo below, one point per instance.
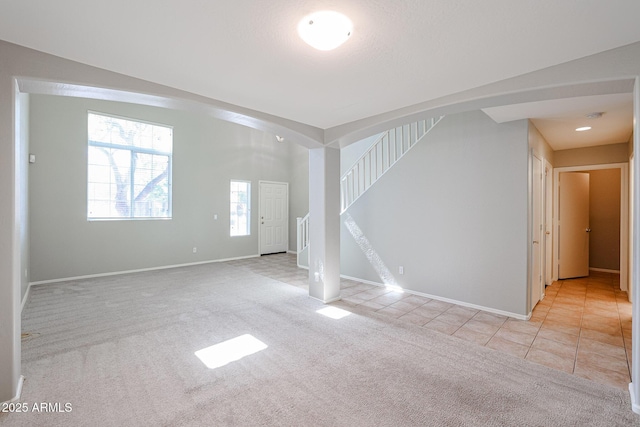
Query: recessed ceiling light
325,30
582,129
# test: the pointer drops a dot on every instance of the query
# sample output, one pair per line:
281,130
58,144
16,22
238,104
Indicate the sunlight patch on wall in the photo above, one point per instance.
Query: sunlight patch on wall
229,351
333,312
374,259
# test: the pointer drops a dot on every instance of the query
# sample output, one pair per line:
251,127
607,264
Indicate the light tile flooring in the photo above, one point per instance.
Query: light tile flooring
582,326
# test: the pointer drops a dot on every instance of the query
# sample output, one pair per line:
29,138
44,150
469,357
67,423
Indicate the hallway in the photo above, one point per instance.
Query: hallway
585,329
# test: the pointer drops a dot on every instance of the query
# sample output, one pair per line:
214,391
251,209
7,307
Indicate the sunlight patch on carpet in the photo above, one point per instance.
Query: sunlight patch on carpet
334,312
229,351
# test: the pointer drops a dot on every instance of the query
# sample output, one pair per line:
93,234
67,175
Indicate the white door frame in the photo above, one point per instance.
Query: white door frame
624,215
548,222
260,182
537,285
631,231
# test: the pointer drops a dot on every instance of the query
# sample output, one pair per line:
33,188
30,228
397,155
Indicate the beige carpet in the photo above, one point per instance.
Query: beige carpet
120,350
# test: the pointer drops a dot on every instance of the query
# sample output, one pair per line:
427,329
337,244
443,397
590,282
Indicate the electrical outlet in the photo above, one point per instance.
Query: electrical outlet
195,249
401,269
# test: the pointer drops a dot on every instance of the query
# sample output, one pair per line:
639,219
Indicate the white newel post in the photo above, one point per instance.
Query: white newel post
299,235
324,230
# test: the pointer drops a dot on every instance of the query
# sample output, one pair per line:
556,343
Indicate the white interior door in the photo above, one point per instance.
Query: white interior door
537,282
274,217
573,225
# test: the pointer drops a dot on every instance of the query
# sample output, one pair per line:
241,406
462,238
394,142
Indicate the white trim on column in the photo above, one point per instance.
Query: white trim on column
634,386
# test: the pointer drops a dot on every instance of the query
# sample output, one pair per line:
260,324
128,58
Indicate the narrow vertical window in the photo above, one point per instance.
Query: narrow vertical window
240,218
128,169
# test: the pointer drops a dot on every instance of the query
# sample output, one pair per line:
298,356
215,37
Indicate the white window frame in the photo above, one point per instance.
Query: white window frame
133,150
248,209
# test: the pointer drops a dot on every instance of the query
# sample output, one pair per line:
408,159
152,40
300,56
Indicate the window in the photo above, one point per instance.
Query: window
129,168
240,224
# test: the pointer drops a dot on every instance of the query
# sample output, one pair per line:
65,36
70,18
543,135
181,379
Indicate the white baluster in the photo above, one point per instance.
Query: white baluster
383,154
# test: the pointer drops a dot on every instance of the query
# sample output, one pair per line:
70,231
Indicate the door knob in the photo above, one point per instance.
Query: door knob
535,242
588,230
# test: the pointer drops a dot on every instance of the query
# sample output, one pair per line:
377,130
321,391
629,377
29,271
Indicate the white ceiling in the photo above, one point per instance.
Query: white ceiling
247,52
557,120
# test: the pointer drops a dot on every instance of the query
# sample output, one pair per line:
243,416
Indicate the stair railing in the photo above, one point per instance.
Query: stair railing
303,235
378,159
375,162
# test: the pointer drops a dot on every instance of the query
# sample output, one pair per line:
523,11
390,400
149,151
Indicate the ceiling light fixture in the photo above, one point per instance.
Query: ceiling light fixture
325,30
582,129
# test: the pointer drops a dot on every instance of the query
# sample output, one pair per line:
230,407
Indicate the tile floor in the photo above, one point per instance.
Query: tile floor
582,326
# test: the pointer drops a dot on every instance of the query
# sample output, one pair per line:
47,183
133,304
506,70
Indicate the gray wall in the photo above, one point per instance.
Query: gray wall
604,219
453,213
601,154
208,153
539,145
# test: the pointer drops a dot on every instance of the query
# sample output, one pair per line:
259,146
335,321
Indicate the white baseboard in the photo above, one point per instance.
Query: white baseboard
604,270
635,405
367,282
439,298
329,301
18,391
25,298
449,300
117,273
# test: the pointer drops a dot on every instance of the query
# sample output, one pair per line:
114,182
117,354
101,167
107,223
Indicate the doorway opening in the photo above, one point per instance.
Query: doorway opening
601,258
592,311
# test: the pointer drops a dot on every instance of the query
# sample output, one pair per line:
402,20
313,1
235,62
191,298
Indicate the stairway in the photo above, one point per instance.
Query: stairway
390,147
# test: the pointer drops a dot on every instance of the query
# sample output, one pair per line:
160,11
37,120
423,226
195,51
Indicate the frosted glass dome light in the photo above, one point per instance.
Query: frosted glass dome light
325,30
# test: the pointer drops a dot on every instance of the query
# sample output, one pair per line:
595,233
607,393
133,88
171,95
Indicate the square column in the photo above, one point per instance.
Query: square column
634,288
11,174
324,224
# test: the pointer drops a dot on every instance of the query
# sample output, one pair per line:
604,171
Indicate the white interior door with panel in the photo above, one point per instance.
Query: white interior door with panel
274,217
573,225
